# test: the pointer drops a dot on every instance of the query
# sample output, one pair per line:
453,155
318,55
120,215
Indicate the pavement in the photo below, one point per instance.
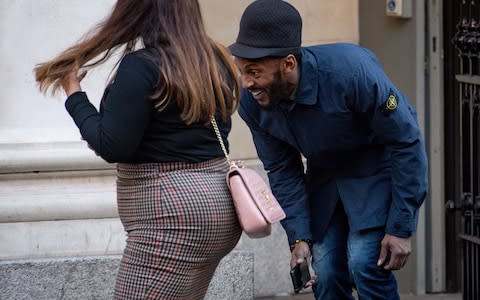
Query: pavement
309,296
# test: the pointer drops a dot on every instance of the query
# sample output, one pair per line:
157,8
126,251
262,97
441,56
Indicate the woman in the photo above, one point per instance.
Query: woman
154,122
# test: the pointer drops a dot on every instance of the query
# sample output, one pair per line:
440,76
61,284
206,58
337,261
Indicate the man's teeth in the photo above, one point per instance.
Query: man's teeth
256,93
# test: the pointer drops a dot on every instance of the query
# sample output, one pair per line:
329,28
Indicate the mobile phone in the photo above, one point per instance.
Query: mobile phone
300,275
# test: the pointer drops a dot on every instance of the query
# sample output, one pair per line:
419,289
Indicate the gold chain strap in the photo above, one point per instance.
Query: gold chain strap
220,140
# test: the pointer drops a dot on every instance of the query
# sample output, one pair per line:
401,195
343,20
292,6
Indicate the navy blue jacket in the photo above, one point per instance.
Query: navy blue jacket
360,137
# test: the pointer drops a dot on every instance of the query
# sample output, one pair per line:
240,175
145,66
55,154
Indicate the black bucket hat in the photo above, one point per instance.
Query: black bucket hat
268,28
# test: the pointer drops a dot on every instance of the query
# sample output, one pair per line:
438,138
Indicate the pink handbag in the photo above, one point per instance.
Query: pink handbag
254,202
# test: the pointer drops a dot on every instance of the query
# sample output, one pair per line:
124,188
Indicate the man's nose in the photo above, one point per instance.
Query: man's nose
246,82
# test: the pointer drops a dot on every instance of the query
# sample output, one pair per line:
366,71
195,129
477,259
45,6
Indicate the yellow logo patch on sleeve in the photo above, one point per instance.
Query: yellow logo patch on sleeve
391,103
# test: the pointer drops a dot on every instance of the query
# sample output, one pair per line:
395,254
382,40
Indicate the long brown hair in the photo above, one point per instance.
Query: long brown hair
193,68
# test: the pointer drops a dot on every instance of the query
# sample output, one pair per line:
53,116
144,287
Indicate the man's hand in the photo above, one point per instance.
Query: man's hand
299,254
399,248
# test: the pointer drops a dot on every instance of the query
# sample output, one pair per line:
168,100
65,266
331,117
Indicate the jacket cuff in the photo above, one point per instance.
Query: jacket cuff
401,228
297,230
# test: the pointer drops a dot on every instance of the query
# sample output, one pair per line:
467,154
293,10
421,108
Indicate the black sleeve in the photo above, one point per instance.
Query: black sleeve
116,133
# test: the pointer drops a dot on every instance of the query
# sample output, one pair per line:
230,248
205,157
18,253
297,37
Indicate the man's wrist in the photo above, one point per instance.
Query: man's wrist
307,241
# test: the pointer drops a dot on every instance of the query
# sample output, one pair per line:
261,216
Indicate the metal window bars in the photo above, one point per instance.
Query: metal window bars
467,44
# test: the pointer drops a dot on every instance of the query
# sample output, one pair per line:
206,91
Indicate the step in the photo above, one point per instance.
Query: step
94,278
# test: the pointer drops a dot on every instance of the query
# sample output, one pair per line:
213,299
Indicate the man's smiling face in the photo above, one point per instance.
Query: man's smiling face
264,80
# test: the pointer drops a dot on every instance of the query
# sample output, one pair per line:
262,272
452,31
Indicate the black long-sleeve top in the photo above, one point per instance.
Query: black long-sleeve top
128,128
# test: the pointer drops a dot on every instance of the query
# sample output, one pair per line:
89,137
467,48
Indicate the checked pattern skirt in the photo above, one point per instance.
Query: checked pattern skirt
180,222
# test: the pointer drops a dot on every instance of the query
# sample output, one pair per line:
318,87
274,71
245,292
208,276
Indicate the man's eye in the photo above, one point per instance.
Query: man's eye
255,73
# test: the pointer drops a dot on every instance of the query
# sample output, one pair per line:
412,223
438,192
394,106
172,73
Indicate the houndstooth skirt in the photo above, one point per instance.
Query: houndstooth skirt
180,222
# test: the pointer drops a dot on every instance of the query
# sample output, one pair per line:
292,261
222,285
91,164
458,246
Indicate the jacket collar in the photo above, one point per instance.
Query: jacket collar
307,88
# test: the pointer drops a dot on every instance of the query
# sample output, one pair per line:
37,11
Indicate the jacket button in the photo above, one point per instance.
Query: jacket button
397,226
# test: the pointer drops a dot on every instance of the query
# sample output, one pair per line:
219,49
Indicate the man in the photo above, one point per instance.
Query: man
355,208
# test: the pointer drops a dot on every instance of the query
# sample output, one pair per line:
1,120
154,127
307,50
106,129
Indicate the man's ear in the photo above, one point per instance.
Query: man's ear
289,64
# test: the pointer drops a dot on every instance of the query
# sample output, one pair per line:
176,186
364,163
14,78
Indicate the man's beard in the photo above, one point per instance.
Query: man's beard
278,90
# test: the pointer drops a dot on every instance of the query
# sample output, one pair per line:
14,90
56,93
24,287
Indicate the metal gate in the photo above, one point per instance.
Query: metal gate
467,44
